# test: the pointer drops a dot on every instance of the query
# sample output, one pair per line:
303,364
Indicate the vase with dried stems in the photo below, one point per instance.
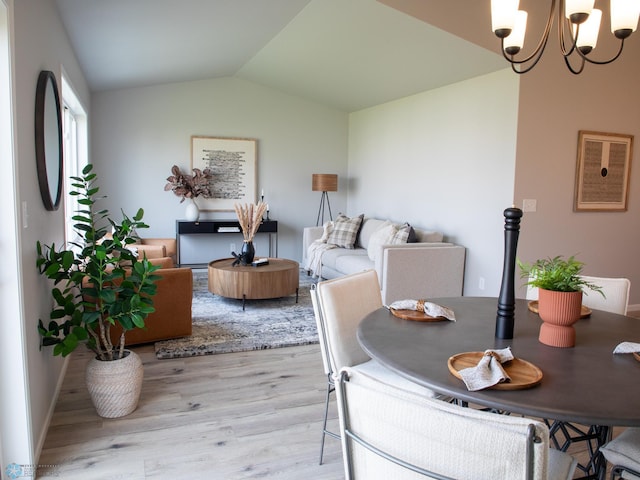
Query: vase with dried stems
250,217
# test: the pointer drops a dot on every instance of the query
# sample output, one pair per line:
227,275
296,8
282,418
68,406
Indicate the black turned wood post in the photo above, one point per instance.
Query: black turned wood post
506,300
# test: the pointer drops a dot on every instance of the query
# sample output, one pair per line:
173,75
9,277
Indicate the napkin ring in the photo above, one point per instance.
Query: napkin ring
420,305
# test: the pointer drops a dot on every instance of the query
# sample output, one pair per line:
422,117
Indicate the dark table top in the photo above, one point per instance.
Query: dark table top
585,384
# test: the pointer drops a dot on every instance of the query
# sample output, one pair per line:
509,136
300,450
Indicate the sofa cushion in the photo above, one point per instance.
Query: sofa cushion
369,227
163,262
353,263
382,236
427,236
345,231
330,257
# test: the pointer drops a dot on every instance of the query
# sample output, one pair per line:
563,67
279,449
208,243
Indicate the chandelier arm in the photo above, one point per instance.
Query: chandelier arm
603,62
521,62
561,36
539,50
571,68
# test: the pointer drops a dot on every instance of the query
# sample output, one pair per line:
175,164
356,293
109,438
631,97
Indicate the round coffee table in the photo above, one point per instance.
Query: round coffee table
281,277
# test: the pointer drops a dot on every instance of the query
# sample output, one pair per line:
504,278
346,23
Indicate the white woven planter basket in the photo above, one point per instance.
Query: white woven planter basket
115,385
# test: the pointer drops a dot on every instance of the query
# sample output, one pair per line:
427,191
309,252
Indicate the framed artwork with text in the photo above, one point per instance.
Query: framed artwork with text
232,162
602,171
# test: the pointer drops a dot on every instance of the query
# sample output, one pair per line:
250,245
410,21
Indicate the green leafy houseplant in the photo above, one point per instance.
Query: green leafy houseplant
556,274
97,283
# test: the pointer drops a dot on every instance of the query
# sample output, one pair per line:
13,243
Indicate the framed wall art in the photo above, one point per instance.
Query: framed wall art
232,162
602,171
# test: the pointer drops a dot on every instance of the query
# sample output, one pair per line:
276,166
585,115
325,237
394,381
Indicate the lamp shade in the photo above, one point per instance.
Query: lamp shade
324,182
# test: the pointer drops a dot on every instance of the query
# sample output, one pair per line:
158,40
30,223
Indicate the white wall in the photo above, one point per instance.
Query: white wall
139,133
39,42
443,159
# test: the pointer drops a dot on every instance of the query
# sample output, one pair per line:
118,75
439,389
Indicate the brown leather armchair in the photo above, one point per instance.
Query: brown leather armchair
157,248
172,303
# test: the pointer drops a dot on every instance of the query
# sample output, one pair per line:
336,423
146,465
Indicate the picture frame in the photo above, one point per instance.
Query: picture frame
602,171
233,163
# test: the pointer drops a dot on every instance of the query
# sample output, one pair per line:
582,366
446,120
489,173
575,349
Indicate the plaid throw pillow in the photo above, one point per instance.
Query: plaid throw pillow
345,231
401,235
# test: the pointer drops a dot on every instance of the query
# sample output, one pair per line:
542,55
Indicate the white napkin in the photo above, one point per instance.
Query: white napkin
431,309
489,371
627,347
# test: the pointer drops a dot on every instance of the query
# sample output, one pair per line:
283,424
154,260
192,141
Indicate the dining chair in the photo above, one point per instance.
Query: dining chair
388,432
623,452
616,294
322,337
339,306
564,434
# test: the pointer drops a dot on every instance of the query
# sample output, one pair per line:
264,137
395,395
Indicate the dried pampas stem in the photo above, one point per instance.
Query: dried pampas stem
250,218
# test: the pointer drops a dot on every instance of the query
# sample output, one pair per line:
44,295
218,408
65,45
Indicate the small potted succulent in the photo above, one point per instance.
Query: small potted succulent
98,283
560,288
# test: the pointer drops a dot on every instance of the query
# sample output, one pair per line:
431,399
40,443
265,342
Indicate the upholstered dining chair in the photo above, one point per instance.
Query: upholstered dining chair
322,337
623,452
339,306
616,294
391,433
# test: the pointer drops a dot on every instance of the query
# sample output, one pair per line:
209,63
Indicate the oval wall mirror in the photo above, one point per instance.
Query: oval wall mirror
48,140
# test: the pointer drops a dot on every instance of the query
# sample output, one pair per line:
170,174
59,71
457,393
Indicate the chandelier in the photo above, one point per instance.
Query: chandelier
578,27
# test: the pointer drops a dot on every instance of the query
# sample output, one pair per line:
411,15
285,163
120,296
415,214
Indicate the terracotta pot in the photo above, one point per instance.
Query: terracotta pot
558,311
115,385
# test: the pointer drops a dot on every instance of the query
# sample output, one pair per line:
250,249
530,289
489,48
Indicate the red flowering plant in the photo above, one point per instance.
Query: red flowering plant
190,186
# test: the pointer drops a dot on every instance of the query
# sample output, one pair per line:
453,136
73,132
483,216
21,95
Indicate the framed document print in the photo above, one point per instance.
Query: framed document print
602,171
232,162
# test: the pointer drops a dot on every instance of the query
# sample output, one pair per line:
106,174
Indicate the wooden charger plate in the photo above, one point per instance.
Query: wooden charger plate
415,315
584,311
523,374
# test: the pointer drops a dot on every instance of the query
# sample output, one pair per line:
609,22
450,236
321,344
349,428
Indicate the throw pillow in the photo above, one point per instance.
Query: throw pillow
413,238
345,231
382,236
402,234
328,228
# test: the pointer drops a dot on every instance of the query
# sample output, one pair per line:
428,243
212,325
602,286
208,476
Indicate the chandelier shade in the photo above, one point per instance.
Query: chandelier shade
578,28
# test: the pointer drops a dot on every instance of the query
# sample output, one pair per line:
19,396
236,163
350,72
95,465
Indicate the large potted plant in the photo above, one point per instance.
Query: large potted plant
99,282
560,288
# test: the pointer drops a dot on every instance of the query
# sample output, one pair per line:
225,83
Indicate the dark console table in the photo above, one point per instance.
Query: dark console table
224,227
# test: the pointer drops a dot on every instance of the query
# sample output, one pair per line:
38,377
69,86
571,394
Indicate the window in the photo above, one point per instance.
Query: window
76,156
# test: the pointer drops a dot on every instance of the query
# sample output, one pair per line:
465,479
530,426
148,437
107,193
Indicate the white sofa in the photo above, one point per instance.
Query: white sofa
426,268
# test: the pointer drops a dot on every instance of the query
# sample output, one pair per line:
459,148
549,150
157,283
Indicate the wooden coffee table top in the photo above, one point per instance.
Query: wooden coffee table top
279,278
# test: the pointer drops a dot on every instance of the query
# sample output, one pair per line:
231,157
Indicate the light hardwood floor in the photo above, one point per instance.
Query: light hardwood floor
231,416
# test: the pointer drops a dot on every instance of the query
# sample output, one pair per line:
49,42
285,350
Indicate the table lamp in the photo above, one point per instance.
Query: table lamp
324,182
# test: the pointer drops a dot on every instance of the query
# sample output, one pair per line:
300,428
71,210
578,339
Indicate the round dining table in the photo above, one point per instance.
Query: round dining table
586,384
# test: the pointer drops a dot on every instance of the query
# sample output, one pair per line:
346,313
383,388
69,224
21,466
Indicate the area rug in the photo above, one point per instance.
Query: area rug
221,326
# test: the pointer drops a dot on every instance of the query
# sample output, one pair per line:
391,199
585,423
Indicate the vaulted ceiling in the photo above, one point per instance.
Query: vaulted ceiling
347,54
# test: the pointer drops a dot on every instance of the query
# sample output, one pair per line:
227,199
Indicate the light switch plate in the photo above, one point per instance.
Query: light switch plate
529,205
